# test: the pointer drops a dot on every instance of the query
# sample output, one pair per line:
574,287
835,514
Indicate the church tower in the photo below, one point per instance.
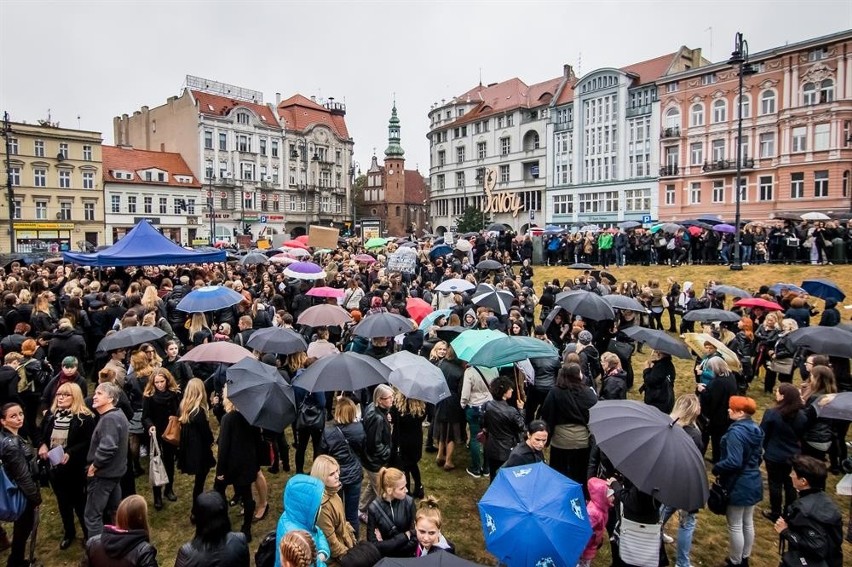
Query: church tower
395,178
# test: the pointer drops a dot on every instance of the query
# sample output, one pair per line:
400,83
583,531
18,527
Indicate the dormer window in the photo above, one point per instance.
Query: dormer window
242,118
125,175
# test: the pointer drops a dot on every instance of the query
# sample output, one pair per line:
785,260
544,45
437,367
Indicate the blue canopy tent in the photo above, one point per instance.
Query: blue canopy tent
143,246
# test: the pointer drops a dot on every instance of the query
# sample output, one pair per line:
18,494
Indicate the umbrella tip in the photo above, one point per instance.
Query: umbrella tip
675,420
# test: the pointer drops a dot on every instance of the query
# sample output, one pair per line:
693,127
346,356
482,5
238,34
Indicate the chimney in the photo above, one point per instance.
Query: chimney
277,99
144,109
568,72
162,146
313,98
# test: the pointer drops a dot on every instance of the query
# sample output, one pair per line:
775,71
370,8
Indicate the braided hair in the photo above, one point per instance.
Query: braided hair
297,549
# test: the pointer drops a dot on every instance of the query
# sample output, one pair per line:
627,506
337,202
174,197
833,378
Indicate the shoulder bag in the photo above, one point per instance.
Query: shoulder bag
720,497
157,470
172,433
638,544
310,416
12,499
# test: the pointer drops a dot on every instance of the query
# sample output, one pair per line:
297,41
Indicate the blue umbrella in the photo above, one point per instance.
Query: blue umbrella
429,319
440,250
532,515
823,288
776,289
209,298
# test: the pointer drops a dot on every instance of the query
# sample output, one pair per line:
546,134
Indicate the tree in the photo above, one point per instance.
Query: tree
471,220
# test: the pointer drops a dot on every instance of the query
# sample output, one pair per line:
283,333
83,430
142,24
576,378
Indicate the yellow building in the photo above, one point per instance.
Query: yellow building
57,182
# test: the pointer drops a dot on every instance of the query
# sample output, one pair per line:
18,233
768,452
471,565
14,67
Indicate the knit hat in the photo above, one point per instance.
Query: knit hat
742,403
585,337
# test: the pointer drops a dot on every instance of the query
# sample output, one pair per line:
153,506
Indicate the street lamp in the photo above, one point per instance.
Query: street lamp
355,166
739,58
10,190
303,144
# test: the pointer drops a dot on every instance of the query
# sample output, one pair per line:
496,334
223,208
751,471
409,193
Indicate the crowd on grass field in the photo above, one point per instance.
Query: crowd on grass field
79,420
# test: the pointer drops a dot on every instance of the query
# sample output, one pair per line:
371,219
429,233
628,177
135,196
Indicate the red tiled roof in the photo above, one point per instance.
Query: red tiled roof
505,96
301,113
124,158
222,106
416,190
652,69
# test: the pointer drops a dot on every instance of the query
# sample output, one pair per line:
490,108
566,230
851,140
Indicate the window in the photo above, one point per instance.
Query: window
800,139
820,183
746,106
504,173
505,146
817,54
797,185
718,149
821,136
845,184
40,177
720,111
696,115
671,88
13,146
826,90
765,188
88,180
63,150
274,150
89,211
695,193
441,182
809,94
719,191
16,210
670,194
15,176
481,150
767,102
242,118
263,146
64,179
131,204
41,210
460,154
148,205
510,119
708,79
696,153
164,205
767,145
65,210
38,148
223,202
442,157
743,189
637,200
115,203
563,205
460,179
223,141
243,143
190,206
208,139
87,153
247,171
744,148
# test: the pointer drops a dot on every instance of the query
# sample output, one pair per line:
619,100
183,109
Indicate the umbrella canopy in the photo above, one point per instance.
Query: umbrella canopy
725,228
470,341
130,336
486,295
375,243
659,340
254,258
220,351
439,558
407,244
696,223
598,274
694,230
417,308
506,350
758,302
731,291
463,246
668,227
624,303
711,314
382,325
324,316
416,377
656,455
363,258
455,284
430,319
710,219
496,227
489,265
261,394
347,372
439,250
294,244
585,304
296,252
282,258
695,342
835,406
831,341
823,288
325,291
534,499
776,289
815,216
304,271
209,298
450,333
277,340
627,225
580,266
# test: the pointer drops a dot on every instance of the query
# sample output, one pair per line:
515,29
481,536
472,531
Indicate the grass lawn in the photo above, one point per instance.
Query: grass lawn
459,492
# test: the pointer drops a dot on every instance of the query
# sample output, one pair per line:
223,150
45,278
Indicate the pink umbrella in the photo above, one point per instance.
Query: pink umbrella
324,291
303,239
365,258
282,259
220,351
759,302
293,244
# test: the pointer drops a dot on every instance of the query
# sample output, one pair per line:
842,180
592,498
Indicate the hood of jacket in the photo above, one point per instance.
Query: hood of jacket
830,303
302,499
597,493
118,543
818,506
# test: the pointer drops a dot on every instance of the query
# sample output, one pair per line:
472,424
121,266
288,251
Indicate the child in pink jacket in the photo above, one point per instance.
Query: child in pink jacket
600,501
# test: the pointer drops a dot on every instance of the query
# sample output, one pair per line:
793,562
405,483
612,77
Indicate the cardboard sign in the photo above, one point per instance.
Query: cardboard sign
323,237
403,262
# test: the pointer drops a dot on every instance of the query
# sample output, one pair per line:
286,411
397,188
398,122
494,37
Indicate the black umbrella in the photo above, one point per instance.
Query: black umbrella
598,274
449,333
277,340
254,258
654,453
432,559
382,325
624,303
580,266
342,372
627,225
731,291
711,314
831,341
261,394
696,222
585,304
835,406
659,340
496,227
130,336
552,315
470,234
712,220
489,265
486,295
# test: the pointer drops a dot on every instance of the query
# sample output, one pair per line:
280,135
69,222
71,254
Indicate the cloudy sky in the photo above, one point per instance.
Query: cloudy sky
96,60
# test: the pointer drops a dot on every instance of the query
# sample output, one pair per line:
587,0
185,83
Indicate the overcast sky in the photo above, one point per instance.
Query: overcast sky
97,60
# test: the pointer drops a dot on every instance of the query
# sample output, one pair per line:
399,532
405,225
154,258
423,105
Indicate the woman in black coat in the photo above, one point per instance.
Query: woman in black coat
449,415
504,425
181,371
19,463
195,453
407,440
160,401
214,544
530,451
658,379
344,439
714,404
69,424
783,428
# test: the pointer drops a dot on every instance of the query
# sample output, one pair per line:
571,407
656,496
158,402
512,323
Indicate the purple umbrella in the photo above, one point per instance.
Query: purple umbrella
304,271
724,228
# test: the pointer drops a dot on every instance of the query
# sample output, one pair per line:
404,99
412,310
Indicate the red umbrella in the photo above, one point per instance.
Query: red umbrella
324,291
417,308
694,230
759,302
294,244
303,239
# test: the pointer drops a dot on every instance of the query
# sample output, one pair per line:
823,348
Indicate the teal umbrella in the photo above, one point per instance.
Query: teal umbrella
506,350
468,343
375,243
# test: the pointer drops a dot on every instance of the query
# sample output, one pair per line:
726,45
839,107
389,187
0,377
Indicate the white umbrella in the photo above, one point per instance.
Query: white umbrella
454,284
815,216
463,246
296,252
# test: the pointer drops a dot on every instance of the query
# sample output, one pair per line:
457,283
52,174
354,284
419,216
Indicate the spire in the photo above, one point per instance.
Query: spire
394,149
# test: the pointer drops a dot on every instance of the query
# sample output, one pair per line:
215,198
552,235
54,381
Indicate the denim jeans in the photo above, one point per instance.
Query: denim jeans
619,256
351,496
474,418
725,253
686,527
746,254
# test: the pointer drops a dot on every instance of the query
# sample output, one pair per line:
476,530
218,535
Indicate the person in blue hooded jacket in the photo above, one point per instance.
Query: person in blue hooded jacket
302,499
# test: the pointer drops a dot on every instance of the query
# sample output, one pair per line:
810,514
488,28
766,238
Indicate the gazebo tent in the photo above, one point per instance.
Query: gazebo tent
143,246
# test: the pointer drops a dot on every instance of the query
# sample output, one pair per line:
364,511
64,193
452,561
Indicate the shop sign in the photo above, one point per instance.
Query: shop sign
44,226
501,202
152,220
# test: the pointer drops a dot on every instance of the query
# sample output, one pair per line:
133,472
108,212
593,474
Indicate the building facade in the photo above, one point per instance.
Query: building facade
796,140
55,175
155,186
395,197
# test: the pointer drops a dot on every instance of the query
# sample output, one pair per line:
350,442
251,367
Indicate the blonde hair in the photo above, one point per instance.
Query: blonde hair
432,353
789,325
297,549
686,409
196,323
429,510
408,406
194,400
171,385
296,361
132,514
150,299
323,466
388,478
78,404
610,360
345,411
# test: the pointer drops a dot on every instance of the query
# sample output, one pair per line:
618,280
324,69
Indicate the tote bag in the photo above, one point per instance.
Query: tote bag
12,500
639,544
157,472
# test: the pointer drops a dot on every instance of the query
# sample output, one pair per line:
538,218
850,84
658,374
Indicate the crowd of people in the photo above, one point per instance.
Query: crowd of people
82,421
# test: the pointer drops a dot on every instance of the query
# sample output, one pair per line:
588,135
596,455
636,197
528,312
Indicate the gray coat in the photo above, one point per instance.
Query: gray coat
108,450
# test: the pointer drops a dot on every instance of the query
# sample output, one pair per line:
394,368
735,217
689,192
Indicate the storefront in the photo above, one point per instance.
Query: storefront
43,236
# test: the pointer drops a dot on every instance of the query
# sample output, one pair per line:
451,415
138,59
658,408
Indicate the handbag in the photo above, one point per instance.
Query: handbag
719,498
172,433
783,366
639,544
157,470
12,499
310,416
623,349
794,558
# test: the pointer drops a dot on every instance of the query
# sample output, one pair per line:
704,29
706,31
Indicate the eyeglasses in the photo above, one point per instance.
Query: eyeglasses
63,395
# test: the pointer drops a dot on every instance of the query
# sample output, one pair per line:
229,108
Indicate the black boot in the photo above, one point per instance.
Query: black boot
248,516
158,498
170,493
285,459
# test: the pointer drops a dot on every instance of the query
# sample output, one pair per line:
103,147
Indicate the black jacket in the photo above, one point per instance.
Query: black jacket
714,401
195,452
19,462
815,528
79,437
120,548
238,446
377,443
505,426
233,551
523,454
567,406
401,515
546,369
9,379
782,437
346,444
658,384
66,343
614,386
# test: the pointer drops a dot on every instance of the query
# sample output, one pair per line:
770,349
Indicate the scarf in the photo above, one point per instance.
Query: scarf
61,426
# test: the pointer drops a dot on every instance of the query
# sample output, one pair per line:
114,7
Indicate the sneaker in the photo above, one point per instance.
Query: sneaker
473,473
668,539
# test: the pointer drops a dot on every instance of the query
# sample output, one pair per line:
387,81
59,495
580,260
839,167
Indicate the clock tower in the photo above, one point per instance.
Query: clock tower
395,178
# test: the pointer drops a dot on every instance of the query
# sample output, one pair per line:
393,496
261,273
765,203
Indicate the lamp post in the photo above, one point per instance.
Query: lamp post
355,166
739,58
10,189
211,196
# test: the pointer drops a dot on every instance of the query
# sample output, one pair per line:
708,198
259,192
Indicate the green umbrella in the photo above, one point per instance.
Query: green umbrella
656,228
506,350
468,343
375,243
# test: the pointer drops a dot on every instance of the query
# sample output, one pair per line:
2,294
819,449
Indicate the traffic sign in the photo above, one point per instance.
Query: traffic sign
646,219
263,219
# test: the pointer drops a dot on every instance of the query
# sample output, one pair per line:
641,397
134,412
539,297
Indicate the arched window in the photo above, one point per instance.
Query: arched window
826,91
767,102
809,94
696,115
531,140
720,111
746,106
673,117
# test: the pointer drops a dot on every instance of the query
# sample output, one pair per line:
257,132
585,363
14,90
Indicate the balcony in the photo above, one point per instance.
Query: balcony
639,110
561,126
669,171
726,166
672,132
